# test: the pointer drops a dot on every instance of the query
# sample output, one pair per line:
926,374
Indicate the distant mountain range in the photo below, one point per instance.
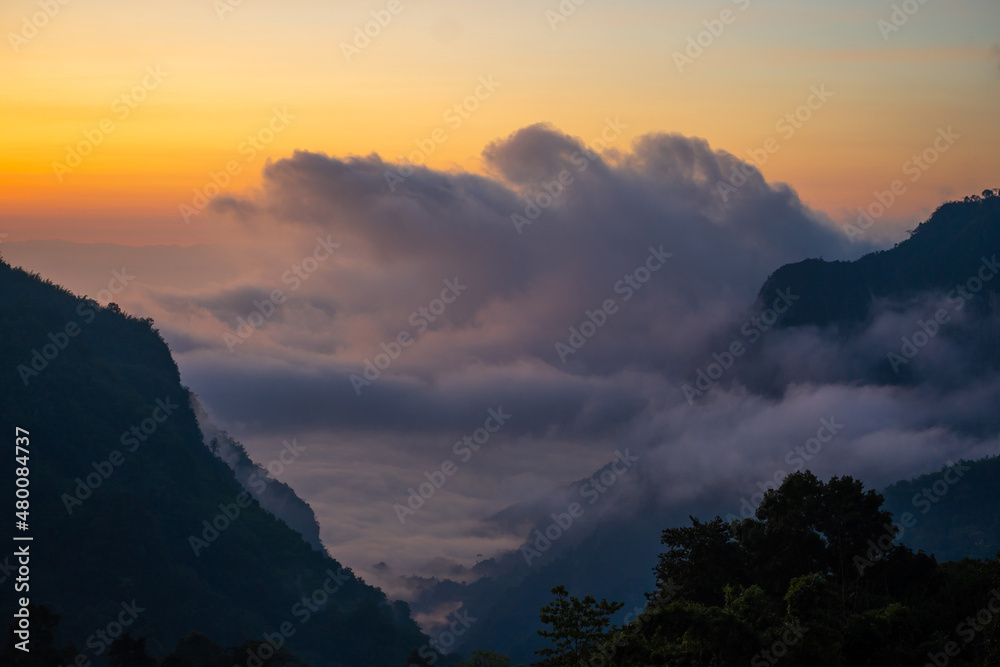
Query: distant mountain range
960,242
956,512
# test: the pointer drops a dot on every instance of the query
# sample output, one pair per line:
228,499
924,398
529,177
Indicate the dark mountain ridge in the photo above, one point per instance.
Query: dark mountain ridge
129,507
273,495
942,253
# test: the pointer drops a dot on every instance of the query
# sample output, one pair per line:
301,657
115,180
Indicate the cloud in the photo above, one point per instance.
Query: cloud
526,289
634,260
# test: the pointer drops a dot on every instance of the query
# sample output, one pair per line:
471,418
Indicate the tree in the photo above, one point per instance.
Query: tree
44,652
196,650
578,628
485,659
127,651
256,652
783,585
701,559
812,526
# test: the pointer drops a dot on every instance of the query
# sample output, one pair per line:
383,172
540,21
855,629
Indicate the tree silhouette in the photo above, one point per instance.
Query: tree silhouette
485,659
127,651
578,628
783,586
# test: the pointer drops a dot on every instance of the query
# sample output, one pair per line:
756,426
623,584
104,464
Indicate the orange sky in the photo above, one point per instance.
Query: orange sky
162,95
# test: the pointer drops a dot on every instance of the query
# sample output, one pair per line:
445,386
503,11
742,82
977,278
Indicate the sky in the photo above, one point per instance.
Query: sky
380,274
225,68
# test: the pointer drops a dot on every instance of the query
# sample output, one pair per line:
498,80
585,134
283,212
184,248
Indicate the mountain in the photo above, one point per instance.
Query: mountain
845,305
956,511
942,254
276,497
139,502
137,523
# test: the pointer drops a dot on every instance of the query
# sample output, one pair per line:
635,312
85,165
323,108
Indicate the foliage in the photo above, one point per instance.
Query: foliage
485,659
195,650
127,651
578,627
812,580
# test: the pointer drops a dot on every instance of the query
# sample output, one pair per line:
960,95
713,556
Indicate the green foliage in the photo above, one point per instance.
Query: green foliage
578,627
782,586
699,557
808,527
